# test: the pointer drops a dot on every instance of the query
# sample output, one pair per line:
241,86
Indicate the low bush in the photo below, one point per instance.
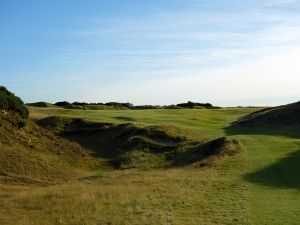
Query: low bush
9,103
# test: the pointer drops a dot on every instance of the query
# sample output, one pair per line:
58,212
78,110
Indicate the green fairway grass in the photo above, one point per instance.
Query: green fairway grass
212,121
259,185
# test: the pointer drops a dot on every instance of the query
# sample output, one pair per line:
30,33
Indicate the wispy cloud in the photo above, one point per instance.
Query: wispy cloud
200,37
213,50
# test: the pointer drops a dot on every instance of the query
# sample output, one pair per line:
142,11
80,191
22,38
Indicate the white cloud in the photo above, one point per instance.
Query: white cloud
260,81
246,52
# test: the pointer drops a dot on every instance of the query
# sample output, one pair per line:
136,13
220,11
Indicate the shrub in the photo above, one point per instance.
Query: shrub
192,105
41,104
62,104
12,103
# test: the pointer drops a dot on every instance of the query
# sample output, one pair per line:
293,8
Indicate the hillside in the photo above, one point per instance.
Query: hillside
34,155
140,146
283,119
31,154
58,148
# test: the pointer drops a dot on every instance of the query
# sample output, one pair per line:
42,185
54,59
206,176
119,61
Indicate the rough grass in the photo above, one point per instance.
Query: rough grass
281,120
140,146
131,197
259,185
32,154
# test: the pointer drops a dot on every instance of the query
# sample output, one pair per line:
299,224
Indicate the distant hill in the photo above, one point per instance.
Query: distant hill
287,116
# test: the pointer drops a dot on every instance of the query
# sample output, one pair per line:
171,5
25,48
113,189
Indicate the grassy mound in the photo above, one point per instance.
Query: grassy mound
207,153
287,115
137,146
35,155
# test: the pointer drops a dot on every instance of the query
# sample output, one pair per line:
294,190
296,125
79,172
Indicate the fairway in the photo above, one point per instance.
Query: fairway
208,121
259,185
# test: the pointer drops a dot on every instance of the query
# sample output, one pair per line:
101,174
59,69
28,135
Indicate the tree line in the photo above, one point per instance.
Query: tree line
119,105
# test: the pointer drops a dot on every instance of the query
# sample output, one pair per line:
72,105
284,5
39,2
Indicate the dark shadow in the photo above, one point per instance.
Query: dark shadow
288,131
279,121
202,151
124,118
283,174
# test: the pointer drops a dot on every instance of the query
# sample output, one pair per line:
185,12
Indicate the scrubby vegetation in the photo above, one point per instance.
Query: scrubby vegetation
192,105
41,104
12,108
11,103
118,105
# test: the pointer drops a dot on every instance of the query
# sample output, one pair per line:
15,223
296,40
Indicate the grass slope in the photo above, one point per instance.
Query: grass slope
209,121
284,120
141,146
34,155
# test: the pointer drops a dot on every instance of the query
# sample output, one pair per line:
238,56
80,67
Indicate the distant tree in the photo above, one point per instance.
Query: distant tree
119,105
40,104
62,104
80,103
192,105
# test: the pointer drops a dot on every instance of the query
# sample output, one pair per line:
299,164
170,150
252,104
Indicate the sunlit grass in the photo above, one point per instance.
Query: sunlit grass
255,186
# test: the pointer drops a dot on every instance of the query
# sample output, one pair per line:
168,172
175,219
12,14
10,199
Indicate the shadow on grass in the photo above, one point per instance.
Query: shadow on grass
124,118
235,129
283,174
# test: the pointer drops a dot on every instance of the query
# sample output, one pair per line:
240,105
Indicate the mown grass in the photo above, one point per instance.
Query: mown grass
209,121
259,185
273,178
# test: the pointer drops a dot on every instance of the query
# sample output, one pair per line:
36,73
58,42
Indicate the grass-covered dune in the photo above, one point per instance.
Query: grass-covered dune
141,146
275,117
30,154
258,184
281,120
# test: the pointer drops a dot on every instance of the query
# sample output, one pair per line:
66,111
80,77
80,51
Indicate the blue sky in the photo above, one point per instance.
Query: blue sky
239,52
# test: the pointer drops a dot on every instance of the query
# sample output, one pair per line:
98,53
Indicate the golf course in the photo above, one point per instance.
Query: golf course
159,112
257,183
